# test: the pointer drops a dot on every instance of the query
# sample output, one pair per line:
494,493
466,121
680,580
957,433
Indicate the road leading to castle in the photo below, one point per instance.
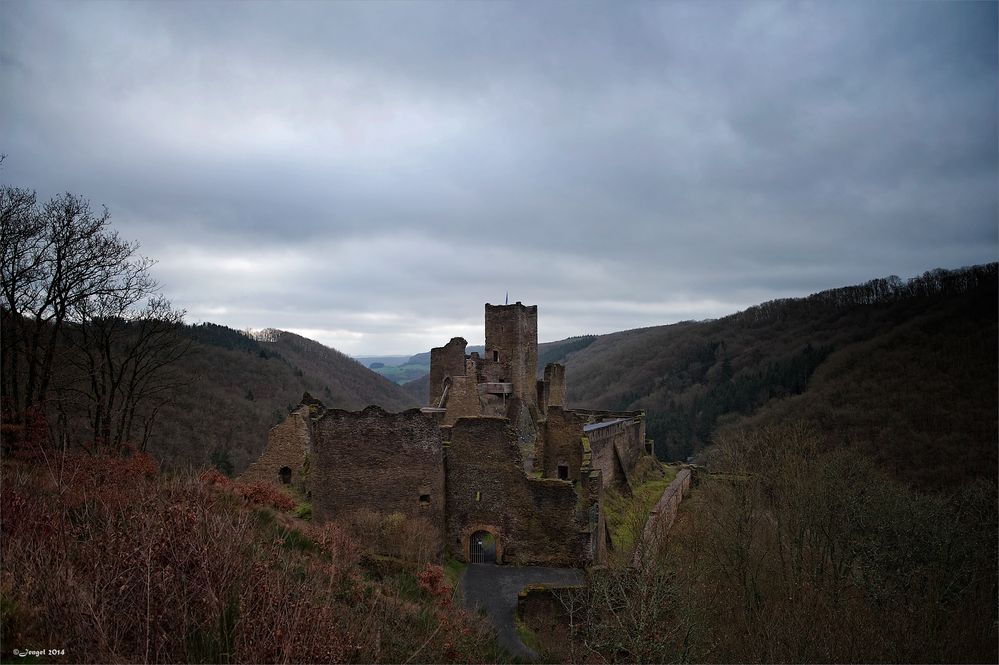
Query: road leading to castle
495,588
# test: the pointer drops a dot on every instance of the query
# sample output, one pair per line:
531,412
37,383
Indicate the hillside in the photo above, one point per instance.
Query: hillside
906,370
238,387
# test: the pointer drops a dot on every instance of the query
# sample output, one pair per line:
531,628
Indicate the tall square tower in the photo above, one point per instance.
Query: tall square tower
512,341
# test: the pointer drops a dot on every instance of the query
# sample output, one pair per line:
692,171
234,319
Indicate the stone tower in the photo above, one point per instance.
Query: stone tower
512,341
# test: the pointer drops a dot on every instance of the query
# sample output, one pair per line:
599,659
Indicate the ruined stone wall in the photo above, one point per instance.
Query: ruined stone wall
462,399
662,515
288,445
534,519
554,385
603,455
447,360
630,444
524,420
592,486
512,335
616,449
562,434
379,461
488,371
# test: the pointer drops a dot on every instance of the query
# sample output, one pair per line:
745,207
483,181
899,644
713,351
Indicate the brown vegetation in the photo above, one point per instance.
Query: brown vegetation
109,559
792,554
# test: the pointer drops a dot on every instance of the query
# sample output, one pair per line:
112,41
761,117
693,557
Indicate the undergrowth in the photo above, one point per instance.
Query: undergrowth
115,562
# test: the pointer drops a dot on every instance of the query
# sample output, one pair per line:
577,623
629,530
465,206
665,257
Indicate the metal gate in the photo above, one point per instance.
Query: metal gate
476,549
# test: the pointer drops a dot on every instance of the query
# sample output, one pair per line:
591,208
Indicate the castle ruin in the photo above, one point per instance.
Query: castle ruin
495,451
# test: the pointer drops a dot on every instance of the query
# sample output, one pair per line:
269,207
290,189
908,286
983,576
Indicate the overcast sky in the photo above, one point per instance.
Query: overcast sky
370,174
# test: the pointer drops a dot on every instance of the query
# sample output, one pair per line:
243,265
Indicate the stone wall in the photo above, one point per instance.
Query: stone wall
379,461
536,521
554,385
663,514
616,448
462,399
592,487
288,446
447,360
562,443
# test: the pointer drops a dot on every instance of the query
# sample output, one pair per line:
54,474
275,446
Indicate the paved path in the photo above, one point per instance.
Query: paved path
494,589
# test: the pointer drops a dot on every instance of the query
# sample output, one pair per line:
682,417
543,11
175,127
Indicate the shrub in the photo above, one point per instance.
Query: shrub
263,493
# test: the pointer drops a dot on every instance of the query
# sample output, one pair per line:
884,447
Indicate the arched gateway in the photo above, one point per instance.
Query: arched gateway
482,545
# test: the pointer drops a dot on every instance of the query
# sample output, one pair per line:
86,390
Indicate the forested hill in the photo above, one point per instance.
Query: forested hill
905,370
237,387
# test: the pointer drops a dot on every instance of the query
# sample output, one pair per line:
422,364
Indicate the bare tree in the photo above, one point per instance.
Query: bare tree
22,248
73,288
124,349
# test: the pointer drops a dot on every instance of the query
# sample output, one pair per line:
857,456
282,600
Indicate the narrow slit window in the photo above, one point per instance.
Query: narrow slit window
478,496
495,356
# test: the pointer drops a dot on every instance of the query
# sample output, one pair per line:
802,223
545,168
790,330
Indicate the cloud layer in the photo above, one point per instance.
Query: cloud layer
369,174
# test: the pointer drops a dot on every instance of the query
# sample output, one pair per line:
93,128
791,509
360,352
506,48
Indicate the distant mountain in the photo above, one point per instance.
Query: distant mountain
387,361
238,387
905,370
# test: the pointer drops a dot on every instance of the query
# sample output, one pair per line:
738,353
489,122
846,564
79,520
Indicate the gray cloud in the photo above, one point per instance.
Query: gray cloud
371,173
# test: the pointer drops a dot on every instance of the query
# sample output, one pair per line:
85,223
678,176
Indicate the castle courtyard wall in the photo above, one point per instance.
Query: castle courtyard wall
379,461
535,520
616,449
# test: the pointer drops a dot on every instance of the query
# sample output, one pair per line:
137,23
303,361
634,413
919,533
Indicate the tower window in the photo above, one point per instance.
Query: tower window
495,356
424,499
563,472
478,496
